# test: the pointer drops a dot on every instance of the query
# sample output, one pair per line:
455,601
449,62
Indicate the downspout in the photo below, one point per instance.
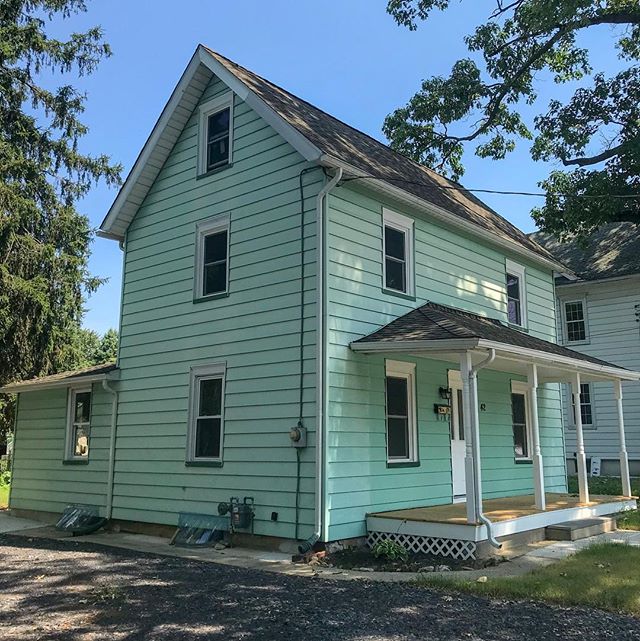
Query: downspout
112,446
320,361
477,486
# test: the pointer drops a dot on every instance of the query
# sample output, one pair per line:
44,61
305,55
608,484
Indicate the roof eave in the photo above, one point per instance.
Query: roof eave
34,386
441,345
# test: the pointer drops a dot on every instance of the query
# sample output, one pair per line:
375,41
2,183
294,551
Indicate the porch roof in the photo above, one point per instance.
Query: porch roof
62,379
435,329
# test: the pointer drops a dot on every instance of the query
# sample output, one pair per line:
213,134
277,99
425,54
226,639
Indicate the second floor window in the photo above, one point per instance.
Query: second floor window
575,321
212,257
516,294
398,269
216,133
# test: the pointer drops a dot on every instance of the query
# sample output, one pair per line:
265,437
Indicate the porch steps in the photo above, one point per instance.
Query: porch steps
580,528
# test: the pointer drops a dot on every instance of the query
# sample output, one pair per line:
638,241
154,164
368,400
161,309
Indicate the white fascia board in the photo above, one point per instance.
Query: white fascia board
21,388
442,214
559,362
297,140
148,148
455,344
578,283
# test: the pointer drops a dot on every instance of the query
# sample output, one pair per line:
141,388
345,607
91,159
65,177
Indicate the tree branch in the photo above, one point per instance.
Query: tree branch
594,160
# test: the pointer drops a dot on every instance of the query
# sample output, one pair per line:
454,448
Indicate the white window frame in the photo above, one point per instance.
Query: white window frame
405,225
205,228
520,271
455,385
69,445
571,408
402,369
197,374
208,109
519,387
565,327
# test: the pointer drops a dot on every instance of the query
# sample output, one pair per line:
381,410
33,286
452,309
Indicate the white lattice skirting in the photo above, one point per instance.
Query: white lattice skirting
454,548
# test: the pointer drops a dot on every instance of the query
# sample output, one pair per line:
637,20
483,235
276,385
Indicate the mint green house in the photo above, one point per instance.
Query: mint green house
314,321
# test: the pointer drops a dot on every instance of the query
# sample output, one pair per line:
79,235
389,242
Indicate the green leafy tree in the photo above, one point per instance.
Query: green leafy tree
594,135
44,240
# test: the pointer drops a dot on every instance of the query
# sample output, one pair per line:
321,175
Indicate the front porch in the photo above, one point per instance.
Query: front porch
445,530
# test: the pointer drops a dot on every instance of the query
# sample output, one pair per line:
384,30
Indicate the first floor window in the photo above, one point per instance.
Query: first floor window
516,294
575,321
206,413
520,422
401,412
398,252
79,421
586,405
212,257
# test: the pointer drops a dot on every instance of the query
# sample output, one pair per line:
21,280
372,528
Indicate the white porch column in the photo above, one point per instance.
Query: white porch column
469,468
624,460
583,482
538,469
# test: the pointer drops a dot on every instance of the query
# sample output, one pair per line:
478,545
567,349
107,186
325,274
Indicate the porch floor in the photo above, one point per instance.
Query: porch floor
501,509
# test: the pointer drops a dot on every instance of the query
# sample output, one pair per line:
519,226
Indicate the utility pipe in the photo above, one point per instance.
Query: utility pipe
320,359
477,483
112,446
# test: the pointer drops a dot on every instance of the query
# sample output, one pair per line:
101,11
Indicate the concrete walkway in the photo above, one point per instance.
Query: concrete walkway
539,555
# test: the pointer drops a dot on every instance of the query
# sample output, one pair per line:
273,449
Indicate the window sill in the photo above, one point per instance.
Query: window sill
204,299
393,464
75,461
572,343
217,170
520,328
393,292
523,461
203,463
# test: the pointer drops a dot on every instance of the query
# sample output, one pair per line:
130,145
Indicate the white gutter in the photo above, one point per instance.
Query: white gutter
441,213
320,359
112,446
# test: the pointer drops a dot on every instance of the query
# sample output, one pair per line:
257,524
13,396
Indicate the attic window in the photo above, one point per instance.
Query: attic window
216,133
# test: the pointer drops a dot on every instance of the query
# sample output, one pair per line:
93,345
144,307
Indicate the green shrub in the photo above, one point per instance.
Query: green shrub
390,550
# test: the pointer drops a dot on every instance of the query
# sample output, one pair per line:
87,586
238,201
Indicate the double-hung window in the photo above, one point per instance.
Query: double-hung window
206,414
575,321
520,421
398,265
586,406
78,425
516,294
212,257
402,436
216,134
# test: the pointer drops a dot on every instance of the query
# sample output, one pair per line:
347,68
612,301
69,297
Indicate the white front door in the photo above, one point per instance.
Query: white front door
458,450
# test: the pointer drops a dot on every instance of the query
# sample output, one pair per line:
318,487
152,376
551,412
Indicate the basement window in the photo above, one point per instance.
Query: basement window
216,134
402,435
206,411
212,257
78,424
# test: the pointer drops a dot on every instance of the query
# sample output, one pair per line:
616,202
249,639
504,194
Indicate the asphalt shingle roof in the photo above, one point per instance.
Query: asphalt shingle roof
61,377
335,138
434,322
611,252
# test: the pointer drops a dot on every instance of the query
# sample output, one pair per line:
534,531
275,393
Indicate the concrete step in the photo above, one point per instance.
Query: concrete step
580,528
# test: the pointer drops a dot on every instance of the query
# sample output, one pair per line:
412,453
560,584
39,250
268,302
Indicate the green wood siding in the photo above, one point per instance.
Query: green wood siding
255,330
453,269
40,479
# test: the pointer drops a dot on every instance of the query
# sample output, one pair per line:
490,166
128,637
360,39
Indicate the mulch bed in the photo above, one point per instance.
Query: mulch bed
67,590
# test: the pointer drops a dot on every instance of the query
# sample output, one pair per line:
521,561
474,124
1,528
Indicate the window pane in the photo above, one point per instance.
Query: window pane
218,138
520,441
218,124
513,287
398,437
576,331
215,247
394,243
215,279
460,415
513,311
518,408
396,396
395,275
217,153
82,410
574,311
207,438
80,441
210,397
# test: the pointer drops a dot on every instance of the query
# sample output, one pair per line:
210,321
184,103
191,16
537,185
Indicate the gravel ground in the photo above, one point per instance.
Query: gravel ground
66,589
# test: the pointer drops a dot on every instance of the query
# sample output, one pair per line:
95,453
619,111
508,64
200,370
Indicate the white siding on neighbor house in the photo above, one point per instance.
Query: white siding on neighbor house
614,336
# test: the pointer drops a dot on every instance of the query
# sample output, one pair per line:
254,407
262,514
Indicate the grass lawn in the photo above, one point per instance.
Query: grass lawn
602,576
605,485
4,496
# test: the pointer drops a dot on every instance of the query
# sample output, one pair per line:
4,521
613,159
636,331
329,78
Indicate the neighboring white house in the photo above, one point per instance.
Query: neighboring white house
599,315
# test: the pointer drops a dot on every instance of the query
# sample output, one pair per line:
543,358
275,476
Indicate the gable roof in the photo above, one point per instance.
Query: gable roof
319,137
62,379
611,252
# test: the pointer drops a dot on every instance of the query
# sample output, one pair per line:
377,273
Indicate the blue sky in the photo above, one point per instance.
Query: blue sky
346,56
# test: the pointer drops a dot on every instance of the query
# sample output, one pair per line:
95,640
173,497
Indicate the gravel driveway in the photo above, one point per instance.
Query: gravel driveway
70,590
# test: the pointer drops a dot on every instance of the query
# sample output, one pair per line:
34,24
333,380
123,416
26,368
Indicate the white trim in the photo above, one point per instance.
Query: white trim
565,328
199,373
34,386
404,225
522,388
207,109
453,344
205,228
69,444
515,269
407,371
